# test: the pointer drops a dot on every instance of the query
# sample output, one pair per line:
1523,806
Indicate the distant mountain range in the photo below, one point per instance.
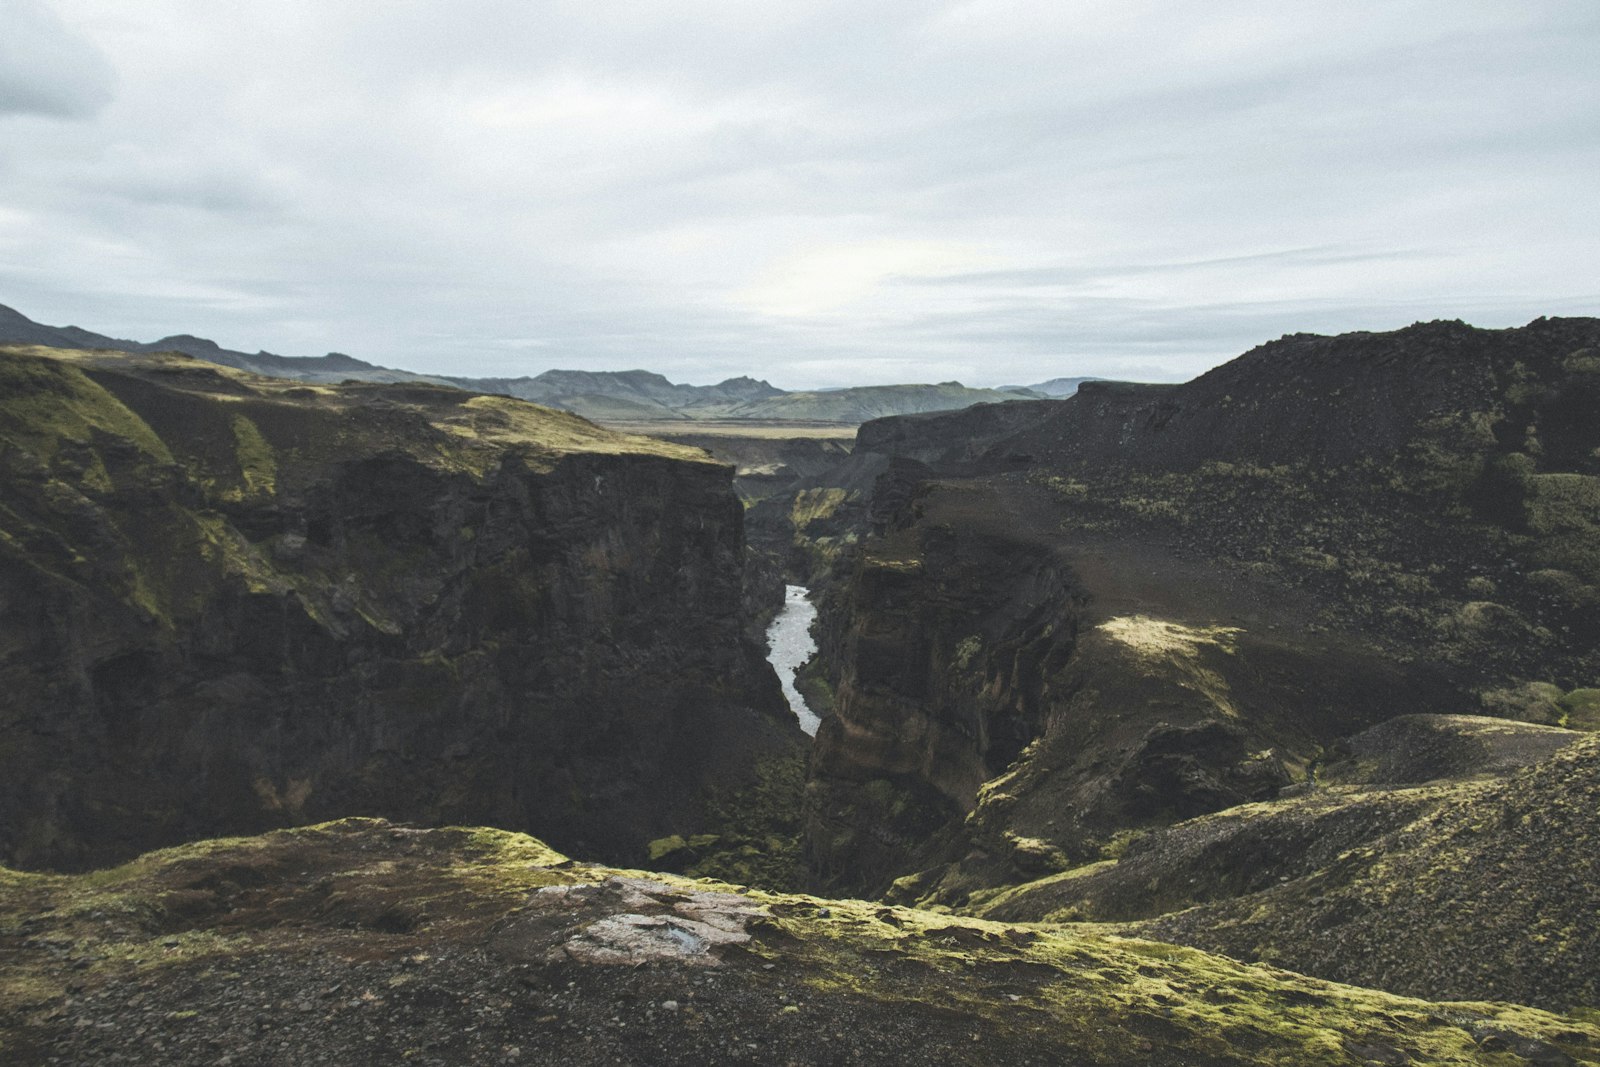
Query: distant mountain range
1055,388
634,396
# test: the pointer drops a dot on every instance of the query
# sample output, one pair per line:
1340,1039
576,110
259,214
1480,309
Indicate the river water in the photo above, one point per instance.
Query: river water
789,637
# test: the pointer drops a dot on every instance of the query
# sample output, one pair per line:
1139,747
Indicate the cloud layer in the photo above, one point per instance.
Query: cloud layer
831,193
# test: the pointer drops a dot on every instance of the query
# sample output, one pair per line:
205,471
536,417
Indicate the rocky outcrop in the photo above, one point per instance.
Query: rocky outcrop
365,942
955,632
229,603
1321,535
1388,778
1491,895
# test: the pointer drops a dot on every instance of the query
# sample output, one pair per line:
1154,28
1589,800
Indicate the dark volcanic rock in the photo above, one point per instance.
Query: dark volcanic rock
1492,896
229,603
954,631
360,942
1316,537
1251,848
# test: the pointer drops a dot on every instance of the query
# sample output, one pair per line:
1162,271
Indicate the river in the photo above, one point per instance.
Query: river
789,637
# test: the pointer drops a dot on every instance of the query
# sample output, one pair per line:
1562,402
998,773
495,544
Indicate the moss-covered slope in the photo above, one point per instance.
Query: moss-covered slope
1387,778
362,942
1493,894
229,603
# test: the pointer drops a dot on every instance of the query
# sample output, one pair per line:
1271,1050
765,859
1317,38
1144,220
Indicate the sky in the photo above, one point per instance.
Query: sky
819,192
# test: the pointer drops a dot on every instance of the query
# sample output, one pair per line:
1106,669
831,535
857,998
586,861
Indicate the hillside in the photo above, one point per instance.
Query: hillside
230,602
1055,388
860,404
16,328
620,397
1072,624
1489,895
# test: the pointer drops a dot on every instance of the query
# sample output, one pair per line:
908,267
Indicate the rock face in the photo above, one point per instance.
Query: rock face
230,603
957,631
1391,776
1491,895
1321,535
362,942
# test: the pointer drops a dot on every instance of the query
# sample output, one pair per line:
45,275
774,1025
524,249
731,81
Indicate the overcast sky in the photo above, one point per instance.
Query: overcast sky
814,192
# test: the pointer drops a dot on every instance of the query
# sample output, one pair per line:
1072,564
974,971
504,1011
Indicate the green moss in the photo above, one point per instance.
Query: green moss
501,421
1107,992
1585,361
1535,702
46,401
812,682
504,846
814,505
665,846
1564,510
966,649
1075,994
258,466
1582,709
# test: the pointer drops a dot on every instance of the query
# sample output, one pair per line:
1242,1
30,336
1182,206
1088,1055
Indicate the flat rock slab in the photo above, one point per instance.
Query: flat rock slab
626,921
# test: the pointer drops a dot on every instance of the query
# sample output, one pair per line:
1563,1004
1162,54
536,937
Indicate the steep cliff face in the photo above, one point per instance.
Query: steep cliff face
229,603
1318,536
1009,701
958,625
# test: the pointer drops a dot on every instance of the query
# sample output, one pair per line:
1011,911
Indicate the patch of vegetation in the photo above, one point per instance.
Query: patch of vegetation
815,505
258,466
1582,709
754,837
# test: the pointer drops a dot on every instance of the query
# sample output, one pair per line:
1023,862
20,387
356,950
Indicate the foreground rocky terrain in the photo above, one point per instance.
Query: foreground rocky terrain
230,602
363,942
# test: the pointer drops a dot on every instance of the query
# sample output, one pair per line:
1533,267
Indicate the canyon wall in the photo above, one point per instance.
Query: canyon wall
1316,537
229,603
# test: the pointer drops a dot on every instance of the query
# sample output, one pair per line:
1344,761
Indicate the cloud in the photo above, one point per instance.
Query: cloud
820,193
819,280
46,68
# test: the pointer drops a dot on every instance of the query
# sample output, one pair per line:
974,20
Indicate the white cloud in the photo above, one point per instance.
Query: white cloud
1012,189
815,281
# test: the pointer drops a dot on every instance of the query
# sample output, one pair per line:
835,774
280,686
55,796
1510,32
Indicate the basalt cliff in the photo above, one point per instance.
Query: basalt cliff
229,603
1139,650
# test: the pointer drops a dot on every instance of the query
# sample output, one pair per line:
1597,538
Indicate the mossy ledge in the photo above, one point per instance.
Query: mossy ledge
361,941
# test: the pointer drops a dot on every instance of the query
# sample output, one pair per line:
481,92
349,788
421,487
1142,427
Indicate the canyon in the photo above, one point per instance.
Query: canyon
233,603
1171,707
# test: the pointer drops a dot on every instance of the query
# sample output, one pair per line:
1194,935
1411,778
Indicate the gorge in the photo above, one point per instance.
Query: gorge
1146,718
233,603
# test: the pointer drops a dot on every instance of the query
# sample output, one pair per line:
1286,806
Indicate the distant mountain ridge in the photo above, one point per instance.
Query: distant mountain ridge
1055,387
17,328
632,396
